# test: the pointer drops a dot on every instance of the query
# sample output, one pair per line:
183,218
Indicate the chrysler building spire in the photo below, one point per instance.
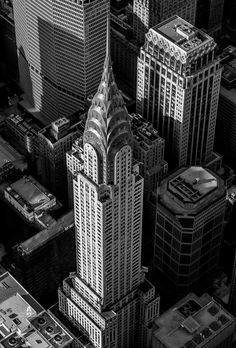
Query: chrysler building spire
108,127
107,62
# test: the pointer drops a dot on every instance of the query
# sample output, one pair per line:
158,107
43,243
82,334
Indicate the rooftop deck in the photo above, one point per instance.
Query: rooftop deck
182,34
192,322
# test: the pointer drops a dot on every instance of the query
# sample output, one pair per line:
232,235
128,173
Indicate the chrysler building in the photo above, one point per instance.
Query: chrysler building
108,298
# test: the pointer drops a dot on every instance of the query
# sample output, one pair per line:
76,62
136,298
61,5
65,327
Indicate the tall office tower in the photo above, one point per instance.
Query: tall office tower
191,207
225,142
232,295
8,54
54,141
209,16
124,53
109,299
60,60
148,13
194,322
148,149
178,89
230,13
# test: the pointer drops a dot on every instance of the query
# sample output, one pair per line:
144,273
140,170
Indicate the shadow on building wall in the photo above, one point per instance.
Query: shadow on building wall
8,50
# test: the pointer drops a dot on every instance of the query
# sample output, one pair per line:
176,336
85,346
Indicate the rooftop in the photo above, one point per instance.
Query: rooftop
228,79
42,237
143,130
30,191
182,34
193,183
23,322
9,154
65,126
9,287
191,323
190,189
26,122
27,191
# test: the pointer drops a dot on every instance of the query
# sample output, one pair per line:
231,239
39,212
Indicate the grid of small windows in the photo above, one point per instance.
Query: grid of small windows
185,252
91,162
88,221
86,325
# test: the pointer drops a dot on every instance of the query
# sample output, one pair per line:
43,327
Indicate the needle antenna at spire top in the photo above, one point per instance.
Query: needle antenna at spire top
108,36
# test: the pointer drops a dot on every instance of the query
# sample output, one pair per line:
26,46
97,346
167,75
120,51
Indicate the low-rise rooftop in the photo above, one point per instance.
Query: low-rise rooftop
42,237
9,155
28,192
193,322
26,122
23,322
9,287
64,126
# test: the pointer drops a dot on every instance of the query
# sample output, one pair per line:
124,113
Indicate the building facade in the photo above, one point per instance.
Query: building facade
8,55
108,298
60,60
74,163
225,142
54,141
191,207
194,322
41,262
232,295
125,53
12,163
209,16
148,13
22,131
148,149
178,89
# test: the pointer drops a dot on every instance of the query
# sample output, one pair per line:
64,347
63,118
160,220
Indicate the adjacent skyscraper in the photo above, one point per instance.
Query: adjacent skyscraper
232,297
209,16
109,299
54,140
148,13
226,119
61,50
178,89
189,228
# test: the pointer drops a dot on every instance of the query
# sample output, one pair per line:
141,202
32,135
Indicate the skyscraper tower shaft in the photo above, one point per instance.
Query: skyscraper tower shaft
178,89
109,298
60,60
